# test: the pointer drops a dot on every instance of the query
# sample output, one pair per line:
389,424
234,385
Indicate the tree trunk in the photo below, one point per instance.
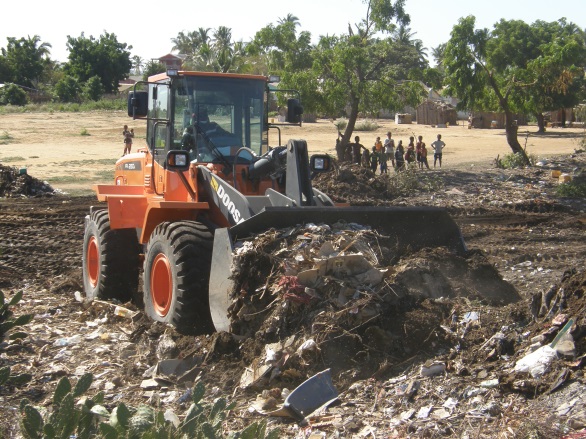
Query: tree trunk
511,132
540,122
346,137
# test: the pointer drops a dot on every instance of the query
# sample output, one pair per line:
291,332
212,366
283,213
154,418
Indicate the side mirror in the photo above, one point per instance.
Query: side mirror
138,103
177,161
320,163
294,111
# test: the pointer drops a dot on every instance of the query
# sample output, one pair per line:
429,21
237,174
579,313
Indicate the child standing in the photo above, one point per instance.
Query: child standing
127,140
128,135
374,160
383,163
424,156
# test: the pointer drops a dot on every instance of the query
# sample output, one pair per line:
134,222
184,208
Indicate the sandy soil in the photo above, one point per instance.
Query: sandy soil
53,147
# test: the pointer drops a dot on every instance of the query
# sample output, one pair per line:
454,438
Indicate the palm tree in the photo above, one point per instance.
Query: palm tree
137,64
223,38
289,18
438,54
203,35
404,35
43,49
182,43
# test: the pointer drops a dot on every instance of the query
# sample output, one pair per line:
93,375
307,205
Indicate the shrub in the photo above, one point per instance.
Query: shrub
514,160
405,182
366,125
84,132
12,94
573,189
68,89
341,124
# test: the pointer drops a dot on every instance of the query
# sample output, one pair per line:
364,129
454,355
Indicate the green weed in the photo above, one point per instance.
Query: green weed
90,417
514,160
5,138
12,159
84,132
573,189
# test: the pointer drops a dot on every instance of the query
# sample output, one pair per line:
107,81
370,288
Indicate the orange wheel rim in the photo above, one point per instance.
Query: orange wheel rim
161,285
93,261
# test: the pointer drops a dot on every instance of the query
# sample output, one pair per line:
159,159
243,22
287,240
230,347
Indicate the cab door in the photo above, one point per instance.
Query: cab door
158,131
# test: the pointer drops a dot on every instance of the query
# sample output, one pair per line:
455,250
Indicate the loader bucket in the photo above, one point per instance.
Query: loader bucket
411,228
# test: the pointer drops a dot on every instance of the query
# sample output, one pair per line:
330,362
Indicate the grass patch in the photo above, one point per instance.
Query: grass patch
104,175
65,179
6,138
573,189
110,162
111,103
12,159
84,132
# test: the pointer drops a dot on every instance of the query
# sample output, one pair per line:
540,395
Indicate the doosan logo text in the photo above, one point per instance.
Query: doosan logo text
227,202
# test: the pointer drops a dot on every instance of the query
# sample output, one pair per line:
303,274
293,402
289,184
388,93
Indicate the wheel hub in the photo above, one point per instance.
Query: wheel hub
93,261
161,285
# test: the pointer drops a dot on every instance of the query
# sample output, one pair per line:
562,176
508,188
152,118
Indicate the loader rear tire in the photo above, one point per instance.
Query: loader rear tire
176,276
110,260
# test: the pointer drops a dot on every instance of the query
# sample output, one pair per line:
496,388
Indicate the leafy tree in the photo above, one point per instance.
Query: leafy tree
12,94
278,48
25,58
152,68
68,89
6,73
498,69
93,89
558,71
105,57
363,71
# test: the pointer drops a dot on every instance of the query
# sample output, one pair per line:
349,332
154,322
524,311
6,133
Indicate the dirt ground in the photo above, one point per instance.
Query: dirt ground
523,241
73,150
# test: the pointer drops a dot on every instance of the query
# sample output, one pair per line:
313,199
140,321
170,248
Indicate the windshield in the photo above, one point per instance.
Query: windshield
216,116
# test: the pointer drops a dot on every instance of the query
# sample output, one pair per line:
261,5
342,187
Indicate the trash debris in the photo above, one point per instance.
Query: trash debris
432,369
536,363
317,391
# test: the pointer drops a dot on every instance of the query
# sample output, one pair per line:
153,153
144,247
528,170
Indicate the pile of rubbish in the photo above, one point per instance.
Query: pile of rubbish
15,182
435,341
340,292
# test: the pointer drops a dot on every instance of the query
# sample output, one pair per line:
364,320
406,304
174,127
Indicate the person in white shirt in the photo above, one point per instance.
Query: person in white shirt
390,149
438,147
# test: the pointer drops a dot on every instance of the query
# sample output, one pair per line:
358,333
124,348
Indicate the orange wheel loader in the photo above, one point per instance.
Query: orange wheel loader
206,177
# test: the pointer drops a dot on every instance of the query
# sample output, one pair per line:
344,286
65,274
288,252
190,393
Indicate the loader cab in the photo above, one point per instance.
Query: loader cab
218,118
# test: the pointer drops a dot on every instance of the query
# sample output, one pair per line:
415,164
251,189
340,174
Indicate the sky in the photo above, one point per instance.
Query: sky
149,29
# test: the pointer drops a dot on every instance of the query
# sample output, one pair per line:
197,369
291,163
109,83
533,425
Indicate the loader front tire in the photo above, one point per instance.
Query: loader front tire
110,260
176,276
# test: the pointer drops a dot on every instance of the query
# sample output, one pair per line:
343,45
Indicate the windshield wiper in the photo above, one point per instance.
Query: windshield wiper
214,148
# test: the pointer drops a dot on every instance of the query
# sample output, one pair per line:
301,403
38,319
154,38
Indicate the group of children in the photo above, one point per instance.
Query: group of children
381,154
